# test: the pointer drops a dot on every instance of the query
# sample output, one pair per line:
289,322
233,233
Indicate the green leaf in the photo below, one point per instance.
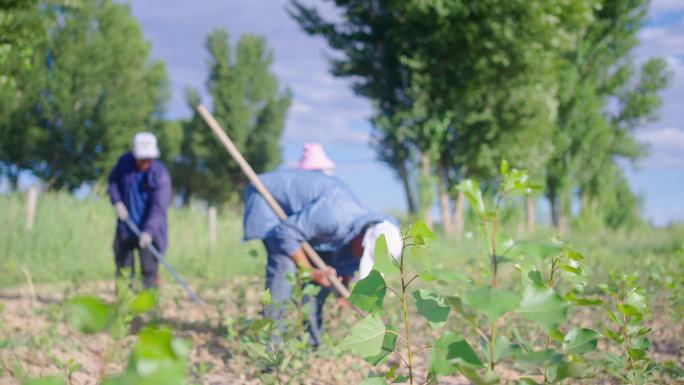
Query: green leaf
373,381
44,381
258,351
613,336
541,357
432,306
535,276
492,302
155,343
388,344
88,314
159,357
383,260
366,337
628,310
543,306
503,349
260,324
580,341
420,230
579,301
637,300
573,254
571,269
369,293
444,276
266,297
471,190
504,167
538,250
145,301
449,353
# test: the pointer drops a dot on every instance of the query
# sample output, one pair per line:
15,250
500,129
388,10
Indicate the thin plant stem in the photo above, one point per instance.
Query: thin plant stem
411,280
407,322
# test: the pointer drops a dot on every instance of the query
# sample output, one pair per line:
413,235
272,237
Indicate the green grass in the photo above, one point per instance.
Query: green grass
72,239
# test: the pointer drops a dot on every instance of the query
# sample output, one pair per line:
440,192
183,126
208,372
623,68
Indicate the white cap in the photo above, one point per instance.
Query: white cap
145,146
395,245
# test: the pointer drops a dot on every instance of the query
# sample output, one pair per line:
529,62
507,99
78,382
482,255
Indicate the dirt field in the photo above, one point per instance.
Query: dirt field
34,338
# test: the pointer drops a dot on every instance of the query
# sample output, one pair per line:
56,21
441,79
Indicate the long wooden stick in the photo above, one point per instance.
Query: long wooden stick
254,178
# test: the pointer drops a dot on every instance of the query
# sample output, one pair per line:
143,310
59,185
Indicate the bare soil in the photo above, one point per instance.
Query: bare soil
35,340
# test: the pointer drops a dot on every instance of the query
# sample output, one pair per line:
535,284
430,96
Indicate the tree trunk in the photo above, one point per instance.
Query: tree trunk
444,206
562,212
408,190
530,213
459,217
426,189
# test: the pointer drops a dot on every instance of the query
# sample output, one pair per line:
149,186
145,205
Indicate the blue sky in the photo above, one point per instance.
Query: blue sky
326,110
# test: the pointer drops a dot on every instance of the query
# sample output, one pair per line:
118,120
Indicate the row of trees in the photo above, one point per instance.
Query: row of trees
77,81
458,85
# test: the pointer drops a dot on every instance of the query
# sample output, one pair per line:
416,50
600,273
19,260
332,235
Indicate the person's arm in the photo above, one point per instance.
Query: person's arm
159,202
298,228
320,276
113,185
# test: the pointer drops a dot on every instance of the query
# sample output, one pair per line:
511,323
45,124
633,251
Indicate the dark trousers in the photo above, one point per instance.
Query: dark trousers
278,267
123,256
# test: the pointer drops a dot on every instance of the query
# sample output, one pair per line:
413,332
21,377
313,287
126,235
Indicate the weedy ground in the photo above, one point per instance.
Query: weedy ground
69,253
37,342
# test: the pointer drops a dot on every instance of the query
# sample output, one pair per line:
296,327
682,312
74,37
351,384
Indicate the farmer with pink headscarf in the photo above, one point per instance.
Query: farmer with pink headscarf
314,158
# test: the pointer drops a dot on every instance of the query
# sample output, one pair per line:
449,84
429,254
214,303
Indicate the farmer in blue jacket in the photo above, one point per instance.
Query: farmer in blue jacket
322,210
140,189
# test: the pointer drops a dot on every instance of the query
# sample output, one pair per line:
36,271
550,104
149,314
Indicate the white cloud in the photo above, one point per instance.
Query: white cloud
660,7
666,146
324,107
669,137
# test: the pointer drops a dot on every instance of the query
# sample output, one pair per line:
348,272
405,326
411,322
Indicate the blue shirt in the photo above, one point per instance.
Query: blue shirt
138,199
321,209
147,197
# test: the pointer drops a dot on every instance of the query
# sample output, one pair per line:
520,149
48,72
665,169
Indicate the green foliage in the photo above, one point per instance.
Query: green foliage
492,302
91,86
369,293
543,306
432,306
366,337
535,298
89,314
450,353
158,357
248,104
57,239
588,141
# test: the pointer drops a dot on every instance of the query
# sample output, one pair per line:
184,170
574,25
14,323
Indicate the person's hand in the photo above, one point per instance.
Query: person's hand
121,211
145,239
321,276
342,303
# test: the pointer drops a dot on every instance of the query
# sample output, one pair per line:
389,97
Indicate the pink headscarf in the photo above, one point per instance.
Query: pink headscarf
314,158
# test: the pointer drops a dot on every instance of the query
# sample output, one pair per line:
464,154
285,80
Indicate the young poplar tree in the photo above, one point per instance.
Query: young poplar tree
589,137
249,105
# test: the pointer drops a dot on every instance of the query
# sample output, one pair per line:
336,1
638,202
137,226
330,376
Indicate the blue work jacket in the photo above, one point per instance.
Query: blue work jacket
321,209
157,185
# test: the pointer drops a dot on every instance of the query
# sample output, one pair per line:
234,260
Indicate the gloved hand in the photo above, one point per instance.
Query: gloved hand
121,211
145,239
320,276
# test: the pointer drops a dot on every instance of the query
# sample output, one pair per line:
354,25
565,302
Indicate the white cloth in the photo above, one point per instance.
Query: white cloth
145,146
395,245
